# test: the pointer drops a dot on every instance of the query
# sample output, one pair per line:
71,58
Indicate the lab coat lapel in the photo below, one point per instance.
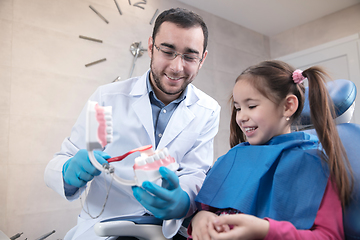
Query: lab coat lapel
142,107
180,119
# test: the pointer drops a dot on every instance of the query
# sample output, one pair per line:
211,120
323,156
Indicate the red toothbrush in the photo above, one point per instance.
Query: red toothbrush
119,158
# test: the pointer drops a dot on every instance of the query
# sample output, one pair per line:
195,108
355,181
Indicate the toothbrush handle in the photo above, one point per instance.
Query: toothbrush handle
119,158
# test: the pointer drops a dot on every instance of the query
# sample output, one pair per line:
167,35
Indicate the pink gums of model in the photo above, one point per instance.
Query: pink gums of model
100,117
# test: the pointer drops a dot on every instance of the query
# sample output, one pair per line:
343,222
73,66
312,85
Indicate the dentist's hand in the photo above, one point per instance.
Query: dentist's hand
78,170
165,203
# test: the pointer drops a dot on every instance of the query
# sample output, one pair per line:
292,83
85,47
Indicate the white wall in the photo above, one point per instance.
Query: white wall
44,85
326,29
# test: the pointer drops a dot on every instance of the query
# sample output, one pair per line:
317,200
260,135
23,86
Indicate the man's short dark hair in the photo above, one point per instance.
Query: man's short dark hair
183,18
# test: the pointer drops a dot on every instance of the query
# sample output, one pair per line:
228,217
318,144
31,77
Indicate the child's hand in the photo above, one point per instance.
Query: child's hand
200,223
244,227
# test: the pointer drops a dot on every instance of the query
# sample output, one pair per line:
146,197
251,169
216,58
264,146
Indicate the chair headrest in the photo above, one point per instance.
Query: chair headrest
343,94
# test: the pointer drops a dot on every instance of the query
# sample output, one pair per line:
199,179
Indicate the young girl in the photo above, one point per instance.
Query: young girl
279,184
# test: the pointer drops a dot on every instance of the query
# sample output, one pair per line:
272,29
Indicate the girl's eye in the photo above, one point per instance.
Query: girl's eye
251,107
237,109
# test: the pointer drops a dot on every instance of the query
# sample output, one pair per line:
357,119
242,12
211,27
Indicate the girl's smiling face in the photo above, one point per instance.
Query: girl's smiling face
258,117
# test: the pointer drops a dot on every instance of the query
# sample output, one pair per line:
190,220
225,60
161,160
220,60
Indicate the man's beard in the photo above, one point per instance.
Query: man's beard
162,88
159,85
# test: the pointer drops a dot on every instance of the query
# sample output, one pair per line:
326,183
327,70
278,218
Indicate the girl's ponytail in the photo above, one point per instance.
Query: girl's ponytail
322,116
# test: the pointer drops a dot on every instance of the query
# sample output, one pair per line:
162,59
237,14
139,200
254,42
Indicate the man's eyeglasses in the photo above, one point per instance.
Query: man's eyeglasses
171,54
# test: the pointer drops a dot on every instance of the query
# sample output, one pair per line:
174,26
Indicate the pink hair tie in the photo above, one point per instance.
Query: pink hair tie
297,76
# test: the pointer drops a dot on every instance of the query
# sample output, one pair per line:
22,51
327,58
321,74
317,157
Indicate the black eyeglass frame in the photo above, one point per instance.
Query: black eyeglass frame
174,54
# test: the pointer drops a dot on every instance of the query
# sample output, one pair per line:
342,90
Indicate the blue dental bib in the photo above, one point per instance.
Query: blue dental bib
284,179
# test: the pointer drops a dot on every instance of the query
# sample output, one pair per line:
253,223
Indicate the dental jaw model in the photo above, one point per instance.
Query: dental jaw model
147,166
99,133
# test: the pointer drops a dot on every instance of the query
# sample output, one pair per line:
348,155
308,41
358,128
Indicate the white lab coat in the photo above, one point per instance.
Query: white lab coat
188,136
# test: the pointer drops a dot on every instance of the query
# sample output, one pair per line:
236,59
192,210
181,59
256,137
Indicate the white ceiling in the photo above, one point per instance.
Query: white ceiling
271,17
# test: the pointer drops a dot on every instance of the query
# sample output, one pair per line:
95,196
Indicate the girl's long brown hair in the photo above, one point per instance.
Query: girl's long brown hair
274,80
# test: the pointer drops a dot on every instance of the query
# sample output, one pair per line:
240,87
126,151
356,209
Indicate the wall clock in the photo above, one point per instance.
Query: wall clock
136,48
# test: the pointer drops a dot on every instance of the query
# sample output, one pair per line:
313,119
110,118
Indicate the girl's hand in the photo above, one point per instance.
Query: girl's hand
244,227
200,224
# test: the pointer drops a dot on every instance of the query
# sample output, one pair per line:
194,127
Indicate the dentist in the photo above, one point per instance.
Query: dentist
161,108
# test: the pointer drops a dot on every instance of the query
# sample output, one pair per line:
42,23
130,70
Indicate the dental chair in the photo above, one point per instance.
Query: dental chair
343,93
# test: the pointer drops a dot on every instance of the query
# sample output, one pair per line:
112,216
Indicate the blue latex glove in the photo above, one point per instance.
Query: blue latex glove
170,202
78,170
